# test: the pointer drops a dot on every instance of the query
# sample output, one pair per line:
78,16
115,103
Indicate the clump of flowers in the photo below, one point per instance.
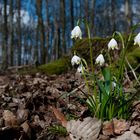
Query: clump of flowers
108,99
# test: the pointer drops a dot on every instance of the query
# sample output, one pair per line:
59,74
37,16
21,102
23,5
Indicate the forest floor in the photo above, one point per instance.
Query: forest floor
30,107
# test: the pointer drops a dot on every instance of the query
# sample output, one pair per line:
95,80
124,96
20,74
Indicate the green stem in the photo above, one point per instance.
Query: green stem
120,75
91,58
86,82
90,45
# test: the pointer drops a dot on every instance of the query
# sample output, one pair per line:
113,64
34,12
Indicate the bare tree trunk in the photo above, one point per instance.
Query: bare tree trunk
71,14
128,15
92,17
55,40
47,33
5,37
113,15
86,14
11,34
19,31
86,10
62,20
41,29
36,58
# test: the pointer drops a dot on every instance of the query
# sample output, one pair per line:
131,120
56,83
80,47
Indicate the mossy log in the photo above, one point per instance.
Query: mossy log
81,47
55,67
99,45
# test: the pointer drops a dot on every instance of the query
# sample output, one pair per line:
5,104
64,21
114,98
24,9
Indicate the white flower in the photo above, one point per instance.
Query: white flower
80,68
76,32
75,60
100,60
137,39
112,44
114,85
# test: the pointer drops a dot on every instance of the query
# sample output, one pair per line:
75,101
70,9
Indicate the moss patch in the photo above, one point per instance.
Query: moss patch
99,45
134,57
56,67
82,47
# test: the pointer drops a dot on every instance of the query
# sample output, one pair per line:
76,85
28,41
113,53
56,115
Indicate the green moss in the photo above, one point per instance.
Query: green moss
82,47
134,57
56,67
25,71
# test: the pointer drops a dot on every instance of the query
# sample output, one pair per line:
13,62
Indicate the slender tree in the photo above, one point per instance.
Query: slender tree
63,24
92,17
5,37
113,14
41,31
11,34
47,32
71,14
55,40
86,10
128,13
19,45
36,57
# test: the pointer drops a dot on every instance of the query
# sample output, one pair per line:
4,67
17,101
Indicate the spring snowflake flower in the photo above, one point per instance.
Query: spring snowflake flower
137,39
75,60
114,85
100,60
112,44
80,68
76,33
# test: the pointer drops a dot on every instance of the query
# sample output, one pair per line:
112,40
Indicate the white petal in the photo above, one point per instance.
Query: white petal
137,39
100,60
112,44
79,69
76,32
75,60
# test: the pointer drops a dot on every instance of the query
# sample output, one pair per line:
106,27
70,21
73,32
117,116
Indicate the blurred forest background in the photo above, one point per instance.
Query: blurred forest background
39,30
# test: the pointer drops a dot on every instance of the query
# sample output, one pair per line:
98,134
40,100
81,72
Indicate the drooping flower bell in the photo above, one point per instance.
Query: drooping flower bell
112,44
76,33
137,39
100,60
79,69
75,60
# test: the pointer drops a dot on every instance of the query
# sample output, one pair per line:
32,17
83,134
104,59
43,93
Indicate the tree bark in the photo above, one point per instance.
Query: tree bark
62,20
128,13
113,15
92,17
19,32
36,57
71,14
55,40
5,37
11,34
47,32
41,30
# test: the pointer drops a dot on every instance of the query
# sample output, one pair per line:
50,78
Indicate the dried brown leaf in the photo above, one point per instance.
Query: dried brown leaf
88,129
9,118
115,127
60,116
